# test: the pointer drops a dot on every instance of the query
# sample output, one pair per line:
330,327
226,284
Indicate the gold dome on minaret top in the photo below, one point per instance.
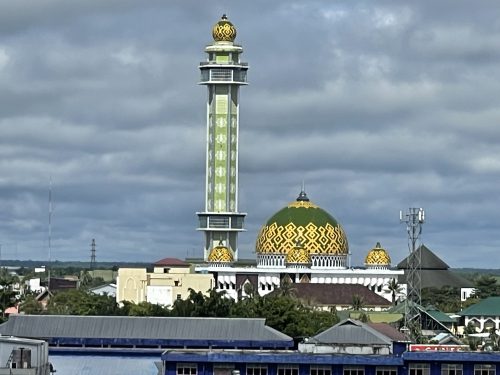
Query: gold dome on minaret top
224,31
377,257
220,254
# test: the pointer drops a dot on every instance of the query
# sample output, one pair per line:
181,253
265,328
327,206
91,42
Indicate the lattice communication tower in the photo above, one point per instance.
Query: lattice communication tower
92,255
414,219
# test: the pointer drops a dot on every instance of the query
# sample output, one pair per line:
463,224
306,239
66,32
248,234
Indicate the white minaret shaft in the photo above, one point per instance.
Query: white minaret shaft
223,74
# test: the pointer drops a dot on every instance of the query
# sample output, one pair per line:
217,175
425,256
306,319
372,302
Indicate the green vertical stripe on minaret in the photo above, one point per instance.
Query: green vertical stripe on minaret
221,153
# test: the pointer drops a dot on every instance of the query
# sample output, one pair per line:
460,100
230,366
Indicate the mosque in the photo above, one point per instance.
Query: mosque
300,243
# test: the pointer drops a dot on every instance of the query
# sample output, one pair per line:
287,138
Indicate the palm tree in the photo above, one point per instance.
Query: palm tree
394,288
358,303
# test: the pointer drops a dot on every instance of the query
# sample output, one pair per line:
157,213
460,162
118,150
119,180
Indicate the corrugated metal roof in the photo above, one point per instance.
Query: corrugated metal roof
167,328
352,332
487,307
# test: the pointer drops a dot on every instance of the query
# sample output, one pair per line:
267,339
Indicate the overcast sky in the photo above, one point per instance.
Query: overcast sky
377,106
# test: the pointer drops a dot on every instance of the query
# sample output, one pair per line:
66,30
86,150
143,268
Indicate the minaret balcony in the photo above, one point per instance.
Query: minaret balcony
221,221
224,75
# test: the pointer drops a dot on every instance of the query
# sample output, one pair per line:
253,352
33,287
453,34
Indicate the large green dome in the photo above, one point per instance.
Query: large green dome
302,222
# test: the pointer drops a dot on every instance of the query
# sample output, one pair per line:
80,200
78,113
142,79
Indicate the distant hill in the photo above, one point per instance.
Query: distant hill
75,264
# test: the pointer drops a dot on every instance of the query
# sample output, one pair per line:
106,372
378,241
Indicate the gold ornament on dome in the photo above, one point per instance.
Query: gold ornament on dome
298,255
278,239
304,204
378,257
224,31
220,254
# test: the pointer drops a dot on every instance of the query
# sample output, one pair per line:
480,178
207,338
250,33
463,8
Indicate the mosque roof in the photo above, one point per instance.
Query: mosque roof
302,221
378,256
220,254
337,294
429,260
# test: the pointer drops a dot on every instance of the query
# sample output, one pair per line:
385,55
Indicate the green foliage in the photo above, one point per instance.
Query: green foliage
143,309
8,297
358,303
446,299
79,302
486,286
394,288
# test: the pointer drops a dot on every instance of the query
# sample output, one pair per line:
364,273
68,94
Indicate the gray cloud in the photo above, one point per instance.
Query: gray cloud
377,106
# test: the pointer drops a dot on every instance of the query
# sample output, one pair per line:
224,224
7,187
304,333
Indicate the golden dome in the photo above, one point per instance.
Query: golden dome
378,257
224,31
220,254
298,255
302,222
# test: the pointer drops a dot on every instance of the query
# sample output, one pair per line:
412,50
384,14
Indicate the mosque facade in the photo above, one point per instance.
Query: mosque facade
300,243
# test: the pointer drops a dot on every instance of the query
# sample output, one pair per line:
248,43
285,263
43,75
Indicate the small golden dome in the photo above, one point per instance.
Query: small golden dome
224,31
378,257
298,255
220,254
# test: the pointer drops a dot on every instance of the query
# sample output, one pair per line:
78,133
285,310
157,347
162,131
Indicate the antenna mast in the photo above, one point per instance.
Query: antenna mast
50,232
92,255
414,219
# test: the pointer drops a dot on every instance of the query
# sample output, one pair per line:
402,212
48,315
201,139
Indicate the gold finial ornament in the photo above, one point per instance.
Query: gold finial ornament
224,31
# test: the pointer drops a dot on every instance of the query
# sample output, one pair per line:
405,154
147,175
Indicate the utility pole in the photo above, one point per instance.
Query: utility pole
414,219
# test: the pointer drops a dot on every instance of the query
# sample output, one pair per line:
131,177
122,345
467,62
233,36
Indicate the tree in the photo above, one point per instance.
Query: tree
80,302
486,286
358,303
394,288
8,296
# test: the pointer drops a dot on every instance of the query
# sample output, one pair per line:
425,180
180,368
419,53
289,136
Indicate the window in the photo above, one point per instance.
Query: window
166,270
288,370
320,370
419,369
484,369
383,370
186,369
256,369
451,369
176,282
352,370
179,297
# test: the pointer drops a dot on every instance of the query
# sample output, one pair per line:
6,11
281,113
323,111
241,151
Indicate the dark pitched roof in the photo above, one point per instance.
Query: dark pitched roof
172,262
439,278
59,283
353,332
337,294
182,331
487,307
388,330
429,260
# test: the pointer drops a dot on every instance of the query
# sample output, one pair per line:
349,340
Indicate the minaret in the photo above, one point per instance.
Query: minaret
223,74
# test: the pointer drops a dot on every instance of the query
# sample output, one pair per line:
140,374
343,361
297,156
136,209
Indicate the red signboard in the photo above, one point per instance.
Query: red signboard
437,348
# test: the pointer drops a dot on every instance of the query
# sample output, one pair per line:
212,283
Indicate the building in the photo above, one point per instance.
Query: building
484,315
301,243
105,289
435,273
228,346
170,280
21,356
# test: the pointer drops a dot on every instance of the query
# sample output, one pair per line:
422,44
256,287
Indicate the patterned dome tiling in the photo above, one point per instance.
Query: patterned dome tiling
298,255
302,222
220,254
378,257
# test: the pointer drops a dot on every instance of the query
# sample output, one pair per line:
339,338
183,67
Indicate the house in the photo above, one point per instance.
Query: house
105,289
170,280
483,315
